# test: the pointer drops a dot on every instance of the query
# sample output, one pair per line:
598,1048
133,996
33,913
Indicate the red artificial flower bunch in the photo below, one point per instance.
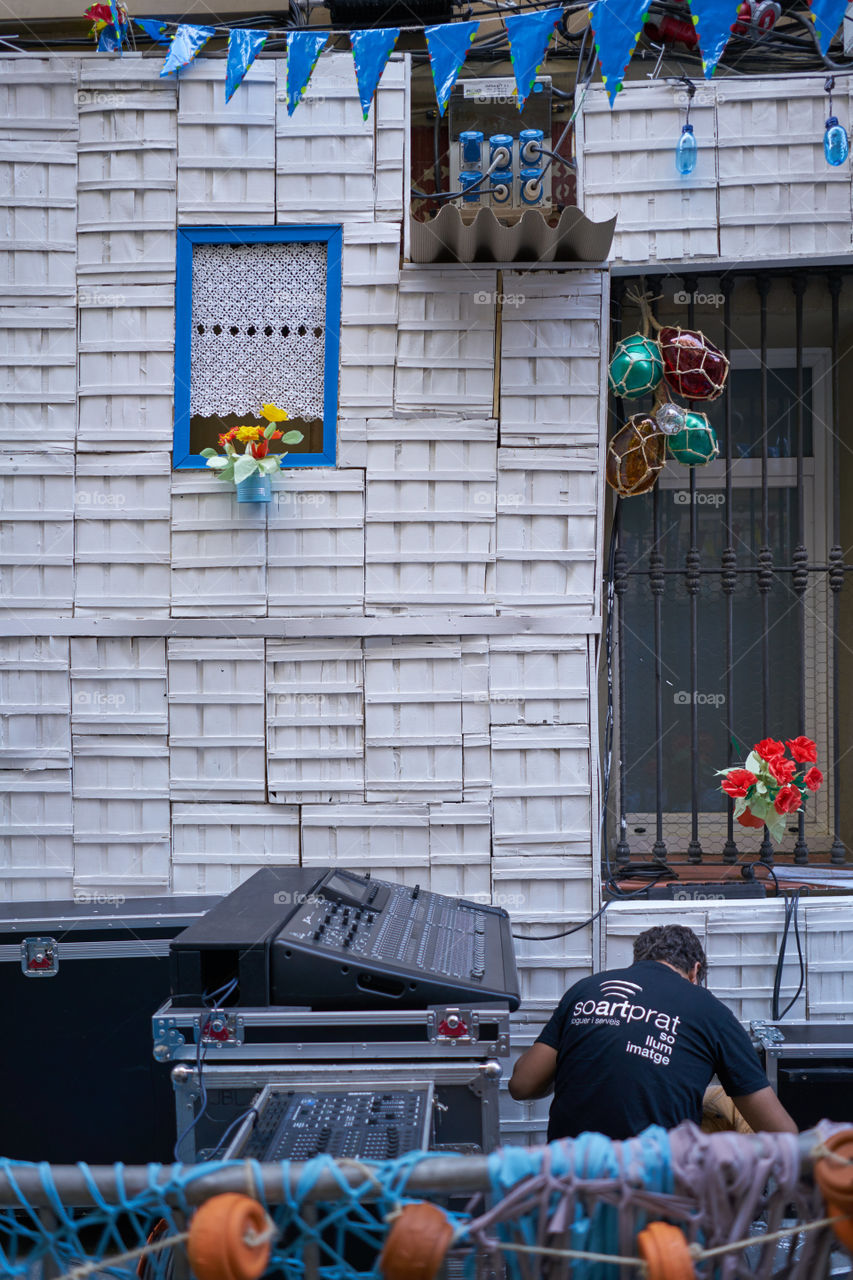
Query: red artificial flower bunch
771,784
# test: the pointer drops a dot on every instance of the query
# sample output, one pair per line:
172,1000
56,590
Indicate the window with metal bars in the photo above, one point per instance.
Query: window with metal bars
257,322
726,580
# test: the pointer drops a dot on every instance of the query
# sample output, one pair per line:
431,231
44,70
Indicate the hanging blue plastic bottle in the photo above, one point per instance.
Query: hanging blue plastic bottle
685,152
836,146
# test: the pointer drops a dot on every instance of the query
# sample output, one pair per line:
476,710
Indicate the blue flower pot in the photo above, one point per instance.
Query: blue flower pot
256,489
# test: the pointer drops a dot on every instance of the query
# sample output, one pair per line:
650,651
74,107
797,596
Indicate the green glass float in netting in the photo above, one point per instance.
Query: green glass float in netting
636,367
696,443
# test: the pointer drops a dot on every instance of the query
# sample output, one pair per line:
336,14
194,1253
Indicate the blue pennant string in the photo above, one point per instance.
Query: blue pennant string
243,48
713,22
186,43
529,37
827,16
371,50
303,50
448,44
616,27
155,29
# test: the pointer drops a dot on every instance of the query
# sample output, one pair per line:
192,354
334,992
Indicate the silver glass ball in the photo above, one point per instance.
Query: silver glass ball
671,418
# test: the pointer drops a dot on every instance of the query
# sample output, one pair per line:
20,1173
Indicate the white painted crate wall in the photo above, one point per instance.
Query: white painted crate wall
118,686
126,366
121,813
446,342
38,376
829,960
120,764
325,151
216,719
413,719
219,550
34,704
36,826
547,531
742,959
393,127
460,837
215,847
369,314
553,324
226,151
548,966
538,680
37,534
626,166
122,511
38,173
391,841
430,514
542,790
127,174
315,720
778,196
315,543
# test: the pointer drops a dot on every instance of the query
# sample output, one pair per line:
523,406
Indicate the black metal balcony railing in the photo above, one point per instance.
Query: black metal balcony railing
726,580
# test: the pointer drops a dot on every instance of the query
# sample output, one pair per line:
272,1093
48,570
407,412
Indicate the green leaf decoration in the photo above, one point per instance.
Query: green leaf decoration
741,805
777,824
217,463
209,453
761,807
269,466
292,437
269,430
753,763
244,467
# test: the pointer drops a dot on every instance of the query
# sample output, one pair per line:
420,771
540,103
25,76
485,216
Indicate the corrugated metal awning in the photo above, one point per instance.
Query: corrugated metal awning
574,239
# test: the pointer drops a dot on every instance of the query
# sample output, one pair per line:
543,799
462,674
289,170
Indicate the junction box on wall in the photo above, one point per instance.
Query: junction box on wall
487,129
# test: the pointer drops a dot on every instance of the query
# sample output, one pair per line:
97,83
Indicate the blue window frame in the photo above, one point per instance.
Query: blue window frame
186,427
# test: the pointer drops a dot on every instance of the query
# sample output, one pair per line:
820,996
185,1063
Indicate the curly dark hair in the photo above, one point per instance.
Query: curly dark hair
673,943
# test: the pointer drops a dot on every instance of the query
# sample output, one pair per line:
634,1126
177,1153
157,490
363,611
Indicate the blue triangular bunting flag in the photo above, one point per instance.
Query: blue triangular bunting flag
186,43
713,21
529,36
154,29
371,50
616,27
303,50
827,16
243,47
448,44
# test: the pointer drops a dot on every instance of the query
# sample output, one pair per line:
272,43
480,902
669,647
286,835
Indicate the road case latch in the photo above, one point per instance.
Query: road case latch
40,957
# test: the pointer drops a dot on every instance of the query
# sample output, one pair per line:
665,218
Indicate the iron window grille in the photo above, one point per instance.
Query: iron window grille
725,581
257,319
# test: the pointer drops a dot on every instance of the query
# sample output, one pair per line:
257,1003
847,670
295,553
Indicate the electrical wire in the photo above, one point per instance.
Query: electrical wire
252,1110
452,195
209,1000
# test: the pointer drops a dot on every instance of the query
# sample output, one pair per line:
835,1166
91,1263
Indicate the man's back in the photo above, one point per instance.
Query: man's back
638,1046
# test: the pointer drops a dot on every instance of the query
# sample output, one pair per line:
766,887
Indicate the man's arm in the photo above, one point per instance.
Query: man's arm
763,1112
533,1076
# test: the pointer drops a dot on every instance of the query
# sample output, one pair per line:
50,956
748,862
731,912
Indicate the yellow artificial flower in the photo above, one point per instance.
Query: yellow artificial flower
272,414
249,433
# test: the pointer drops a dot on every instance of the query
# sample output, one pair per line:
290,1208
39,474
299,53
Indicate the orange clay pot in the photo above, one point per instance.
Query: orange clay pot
843,1229
417,1243
217,1248
834,1178
665,1252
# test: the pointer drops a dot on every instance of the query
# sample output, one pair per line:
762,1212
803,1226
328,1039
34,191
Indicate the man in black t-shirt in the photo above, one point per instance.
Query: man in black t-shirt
638,1046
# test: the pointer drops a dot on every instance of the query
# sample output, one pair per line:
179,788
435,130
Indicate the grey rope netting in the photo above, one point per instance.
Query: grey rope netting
746,1204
